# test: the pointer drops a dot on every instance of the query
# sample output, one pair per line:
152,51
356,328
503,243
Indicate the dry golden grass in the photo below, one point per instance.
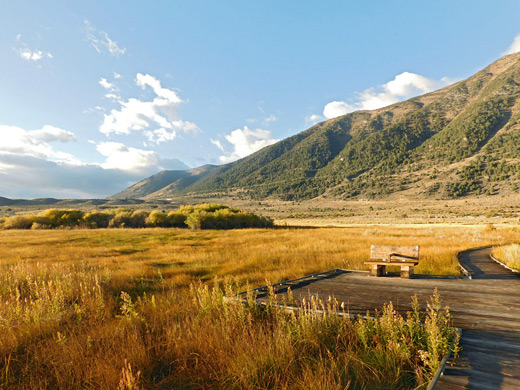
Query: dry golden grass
509,255
108,308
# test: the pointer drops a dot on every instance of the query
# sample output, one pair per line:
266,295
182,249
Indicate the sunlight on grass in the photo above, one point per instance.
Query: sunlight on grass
509,255
108,308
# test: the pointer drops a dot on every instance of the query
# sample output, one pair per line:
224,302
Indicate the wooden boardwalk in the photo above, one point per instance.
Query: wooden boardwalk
486,307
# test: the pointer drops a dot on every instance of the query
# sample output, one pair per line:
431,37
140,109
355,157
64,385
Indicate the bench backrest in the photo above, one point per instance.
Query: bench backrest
395,253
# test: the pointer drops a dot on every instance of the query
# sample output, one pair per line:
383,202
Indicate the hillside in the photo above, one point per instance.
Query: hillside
460,140
165,182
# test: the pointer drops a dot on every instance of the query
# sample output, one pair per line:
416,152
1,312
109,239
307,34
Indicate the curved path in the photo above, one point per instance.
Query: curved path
486,307
490,357
479,265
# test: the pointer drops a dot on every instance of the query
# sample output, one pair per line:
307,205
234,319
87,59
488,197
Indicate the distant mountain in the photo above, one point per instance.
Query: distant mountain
6,201
165,182
28,202
461,140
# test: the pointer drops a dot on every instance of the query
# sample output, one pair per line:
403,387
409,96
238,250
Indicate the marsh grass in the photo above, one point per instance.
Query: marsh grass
509,255
80,309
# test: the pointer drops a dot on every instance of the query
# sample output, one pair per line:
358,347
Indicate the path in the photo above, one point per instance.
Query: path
487,308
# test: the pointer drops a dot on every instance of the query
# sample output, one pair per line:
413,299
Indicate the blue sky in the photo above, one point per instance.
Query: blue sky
97,95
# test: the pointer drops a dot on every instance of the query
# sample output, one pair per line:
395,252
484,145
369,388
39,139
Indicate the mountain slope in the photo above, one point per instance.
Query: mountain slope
165,181
462,139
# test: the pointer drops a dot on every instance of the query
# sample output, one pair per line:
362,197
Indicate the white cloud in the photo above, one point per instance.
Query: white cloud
403,86
33,55
117,75
245,141
515,46
35,143
107,85
157,118
112,89
29,54
50,133
313,119
337,108
120,156
217,143
100,41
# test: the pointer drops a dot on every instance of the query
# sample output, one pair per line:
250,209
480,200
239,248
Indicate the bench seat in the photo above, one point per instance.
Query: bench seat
405,257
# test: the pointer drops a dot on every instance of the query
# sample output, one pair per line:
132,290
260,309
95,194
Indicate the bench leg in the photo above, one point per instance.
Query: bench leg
377,270
407,271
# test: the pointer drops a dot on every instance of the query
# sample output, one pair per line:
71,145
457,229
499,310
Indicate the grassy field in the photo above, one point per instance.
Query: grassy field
108,308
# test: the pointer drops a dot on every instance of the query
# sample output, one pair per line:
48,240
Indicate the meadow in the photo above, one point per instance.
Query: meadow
144,308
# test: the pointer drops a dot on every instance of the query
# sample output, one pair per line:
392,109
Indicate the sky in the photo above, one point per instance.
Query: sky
98,95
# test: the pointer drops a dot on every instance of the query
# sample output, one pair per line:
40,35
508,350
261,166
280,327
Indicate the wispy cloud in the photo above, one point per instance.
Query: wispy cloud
313,119
270,119
244,142
157,119
100,41
403,86
217,143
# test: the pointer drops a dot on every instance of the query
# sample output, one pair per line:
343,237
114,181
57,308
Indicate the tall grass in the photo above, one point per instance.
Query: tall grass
113,308
508,254
65,332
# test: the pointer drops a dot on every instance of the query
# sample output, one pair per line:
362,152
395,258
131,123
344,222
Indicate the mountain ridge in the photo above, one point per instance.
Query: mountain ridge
456,141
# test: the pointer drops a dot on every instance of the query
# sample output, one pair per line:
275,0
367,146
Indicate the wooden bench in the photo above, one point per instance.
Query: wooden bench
405,257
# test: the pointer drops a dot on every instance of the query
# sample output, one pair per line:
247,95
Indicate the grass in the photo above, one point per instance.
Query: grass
509,255
108,308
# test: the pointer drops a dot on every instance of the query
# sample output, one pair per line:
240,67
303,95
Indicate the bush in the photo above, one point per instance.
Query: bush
96,219
176,219
19,222
226,218
156,219
61,218
202,216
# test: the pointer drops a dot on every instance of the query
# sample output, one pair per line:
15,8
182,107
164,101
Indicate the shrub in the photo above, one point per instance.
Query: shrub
156,219
61,218
225,218
203,216
19,222
176,219
96,219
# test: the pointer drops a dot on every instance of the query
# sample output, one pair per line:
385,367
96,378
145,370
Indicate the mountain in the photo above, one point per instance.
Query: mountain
165,182
461,140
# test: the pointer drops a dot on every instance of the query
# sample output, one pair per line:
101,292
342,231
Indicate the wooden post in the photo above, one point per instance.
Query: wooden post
407,271
377,270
